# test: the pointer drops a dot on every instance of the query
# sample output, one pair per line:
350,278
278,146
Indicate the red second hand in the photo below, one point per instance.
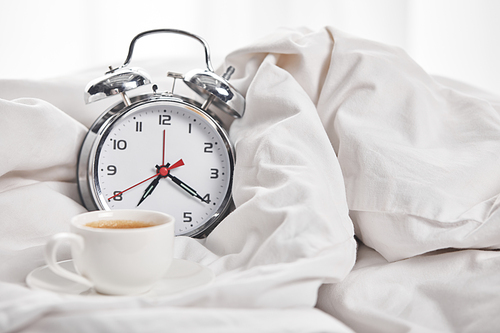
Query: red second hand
176,164
131,187
163,152
173,166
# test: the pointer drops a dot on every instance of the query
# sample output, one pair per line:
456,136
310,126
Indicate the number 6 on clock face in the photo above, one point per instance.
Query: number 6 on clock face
165,155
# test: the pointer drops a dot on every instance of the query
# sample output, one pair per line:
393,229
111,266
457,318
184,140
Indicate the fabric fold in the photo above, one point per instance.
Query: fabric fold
290,231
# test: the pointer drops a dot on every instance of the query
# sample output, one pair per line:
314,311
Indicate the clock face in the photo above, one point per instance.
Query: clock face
166,156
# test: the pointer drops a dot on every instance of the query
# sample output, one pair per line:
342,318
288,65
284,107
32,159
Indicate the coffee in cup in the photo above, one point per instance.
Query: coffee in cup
119,224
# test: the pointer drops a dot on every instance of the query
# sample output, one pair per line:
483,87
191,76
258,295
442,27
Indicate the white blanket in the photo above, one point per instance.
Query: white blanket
336,128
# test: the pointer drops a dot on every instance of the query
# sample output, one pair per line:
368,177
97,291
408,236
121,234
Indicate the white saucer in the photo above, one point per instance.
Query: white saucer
181,276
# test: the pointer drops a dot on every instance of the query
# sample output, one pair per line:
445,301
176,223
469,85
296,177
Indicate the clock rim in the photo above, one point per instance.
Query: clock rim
87,156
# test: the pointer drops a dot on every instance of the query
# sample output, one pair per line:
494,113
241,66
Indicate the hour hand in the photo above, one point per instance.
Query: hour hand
150,189
187,188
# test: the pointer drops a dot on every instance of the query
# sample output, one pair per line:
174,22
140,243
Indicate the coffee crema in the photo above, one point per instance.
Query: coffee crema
119,224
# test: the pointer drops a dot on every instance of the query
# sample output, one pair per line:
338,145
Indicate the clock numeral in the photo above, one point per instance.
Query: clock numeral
138,126
164,119
187,217
208,147
119,144
189,128
206,198
117,196
214,173
111,170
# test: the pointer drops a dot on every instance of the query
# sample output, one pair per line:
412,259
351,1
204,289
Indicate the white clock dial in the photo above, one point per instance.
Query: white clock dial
165,156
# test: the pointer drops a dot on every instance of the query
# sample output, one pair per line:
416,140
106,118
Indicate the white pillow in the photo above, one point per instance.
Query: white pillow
421,159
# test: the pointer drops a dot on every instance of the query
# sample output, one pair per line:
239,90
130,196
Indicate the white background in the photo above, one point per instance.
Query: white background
40,39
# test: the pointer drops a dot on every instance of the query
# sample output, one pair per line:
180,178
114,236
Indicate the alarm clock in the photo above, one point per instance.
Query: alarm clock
159,150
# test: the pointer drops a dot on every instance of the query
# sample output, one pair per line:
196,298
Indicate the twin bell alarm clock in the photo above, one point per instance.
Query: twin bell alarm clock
161,151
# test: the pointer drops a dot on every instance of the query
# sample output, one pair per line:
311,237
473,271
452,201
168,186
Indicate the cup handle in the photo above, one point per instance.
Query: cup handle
51,251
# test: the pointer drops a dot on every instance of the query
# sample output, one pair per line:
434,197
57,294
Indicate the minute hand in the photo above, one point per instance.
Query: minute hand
186,188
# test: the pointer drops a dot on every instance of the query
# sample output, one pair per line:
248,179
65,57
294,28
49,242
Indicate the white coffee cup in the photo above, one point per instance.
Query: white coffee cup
113,261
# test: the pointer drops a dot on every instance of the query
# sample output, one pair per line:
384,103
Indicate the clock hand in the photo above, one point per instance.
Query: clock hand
131,187
163,151
173,166
150,189
186,188
163,172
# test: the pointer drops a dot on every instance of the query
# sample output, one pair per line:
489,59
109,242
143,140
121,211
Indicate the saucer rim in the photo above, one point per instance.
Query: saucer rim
89,292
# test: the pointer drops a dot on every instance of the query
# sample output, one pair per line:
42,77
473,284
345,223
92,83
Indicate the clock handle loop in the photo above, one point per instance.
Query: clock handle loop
175,31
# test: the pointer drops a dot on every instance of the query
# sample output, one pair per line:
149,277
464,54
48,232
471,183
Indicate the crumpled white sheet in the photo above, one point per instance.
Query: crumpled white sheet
443,291
333,131
419,157
289,233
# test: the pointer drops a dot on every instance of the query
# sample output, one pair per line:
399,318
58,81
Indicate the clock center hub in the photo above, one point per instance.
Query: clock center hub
164,171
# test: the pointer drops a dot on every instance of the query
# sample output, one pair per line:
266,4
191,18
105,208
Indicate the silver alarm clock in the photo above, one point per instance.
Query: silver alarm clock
161,151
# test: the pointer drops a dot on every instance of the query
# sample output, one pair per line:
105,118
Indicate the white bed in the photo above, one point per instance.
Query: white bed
341,137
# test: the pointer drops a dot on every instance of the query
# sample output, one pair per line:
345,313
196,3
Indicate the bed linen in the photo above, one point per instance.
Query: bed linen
341,135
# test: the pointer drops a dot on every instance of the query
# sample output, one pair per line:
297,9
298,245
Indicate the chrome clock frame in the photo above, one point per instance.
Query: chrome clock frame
214,89
89,188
